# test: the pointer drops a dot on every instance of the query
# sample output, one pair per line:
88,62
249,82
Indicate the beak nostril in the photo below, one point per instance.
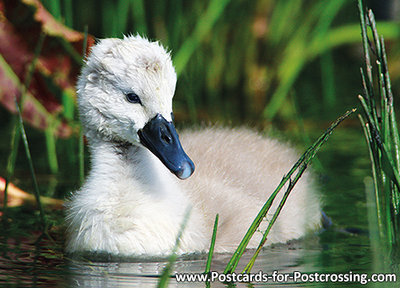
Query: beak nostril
166,138
165,135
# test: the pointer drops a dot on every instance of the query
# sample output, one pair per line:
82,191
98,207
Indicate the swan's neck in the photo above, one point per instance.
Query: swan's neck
131,204
133,170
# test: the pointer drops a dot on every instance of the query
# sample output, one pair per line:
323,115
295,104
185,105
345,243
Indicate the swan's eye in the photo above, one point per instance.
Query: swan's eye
133,98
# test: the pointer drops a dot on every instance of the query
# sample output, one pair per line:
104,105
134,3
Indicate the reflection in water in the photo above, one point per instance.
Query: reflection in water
26,263
284,258
31,260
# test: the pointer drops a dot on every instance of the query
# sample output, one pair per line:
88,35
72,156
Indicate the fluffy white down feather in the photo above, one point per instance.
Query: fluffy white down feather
131,204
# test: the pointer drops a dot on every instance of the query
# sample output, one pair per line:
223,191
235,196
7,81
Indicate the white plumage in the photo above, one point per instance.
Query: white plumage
131,204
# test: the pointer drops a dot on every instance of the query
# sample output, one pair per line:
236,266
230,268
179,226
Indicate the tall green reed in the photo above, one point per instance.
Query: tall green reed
18,132
165,275
212,245
291,178
382,135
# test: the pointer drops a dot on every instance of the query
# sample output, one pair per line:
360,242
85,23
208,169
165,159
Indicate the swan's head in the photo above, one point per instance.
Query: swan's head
125,95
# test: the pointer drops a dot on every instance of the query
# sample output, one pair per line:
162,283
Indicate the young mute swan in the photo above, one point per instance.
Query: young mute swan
131,203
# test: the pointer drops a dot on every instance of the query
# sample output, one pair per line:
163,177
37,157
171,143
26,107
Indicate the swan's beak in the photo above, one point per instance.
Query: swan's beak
161,138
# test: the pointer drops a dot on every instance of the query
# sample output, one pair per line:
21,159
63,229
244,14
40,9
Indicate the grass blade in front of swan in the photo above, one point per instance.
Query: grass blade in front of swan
292,183
302,168
302,162
165,275
211,251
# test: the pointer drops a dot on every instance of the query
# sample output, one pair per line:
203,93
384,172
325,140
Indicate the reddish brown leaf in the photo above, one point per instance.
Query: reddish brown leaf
21,23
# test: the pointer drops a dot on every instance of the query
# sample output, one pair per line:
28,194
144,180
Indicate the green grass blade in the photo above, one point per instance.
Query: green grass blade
382,136
283,10
302,162
367,112
367,57
384,105
394,132
388,165
31,169
12,157
165,275
376,180
51,149
377,42
31,69
68,104
249,265
370,100
212,245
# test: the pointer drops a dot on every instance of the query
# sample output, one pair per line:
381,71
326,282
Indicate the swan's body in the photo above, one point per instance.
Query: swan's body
131,204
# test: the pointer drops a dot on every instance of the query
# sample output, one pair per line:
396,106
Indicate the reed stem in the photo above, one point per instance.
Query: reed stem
165,276
212,245
382,136
299,166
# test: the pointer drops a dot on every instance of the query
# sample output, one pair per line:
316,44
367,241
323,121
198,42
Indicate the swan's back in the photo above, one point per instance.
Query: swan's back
236,172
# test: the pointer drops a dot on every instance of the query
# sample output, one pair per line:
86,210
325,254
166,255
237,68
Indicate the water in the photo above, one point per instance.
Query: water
26,260
28,265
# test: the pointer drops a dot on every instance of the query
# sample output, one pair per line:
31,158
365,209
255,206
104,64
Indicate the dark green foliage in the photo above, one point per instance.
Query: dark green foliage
237,61
380,128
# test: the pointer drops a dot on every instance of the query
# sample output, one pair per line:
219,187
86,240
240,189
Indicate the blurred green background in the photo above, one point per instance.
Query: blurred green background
248,61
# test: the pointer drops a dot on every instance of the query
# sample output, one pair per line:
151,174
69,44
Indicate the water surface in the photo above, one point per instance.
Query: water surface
28,260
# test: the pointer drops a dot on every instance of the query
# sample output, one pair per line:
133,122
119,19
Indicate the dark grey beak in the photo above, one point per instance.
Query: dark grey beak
161,138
